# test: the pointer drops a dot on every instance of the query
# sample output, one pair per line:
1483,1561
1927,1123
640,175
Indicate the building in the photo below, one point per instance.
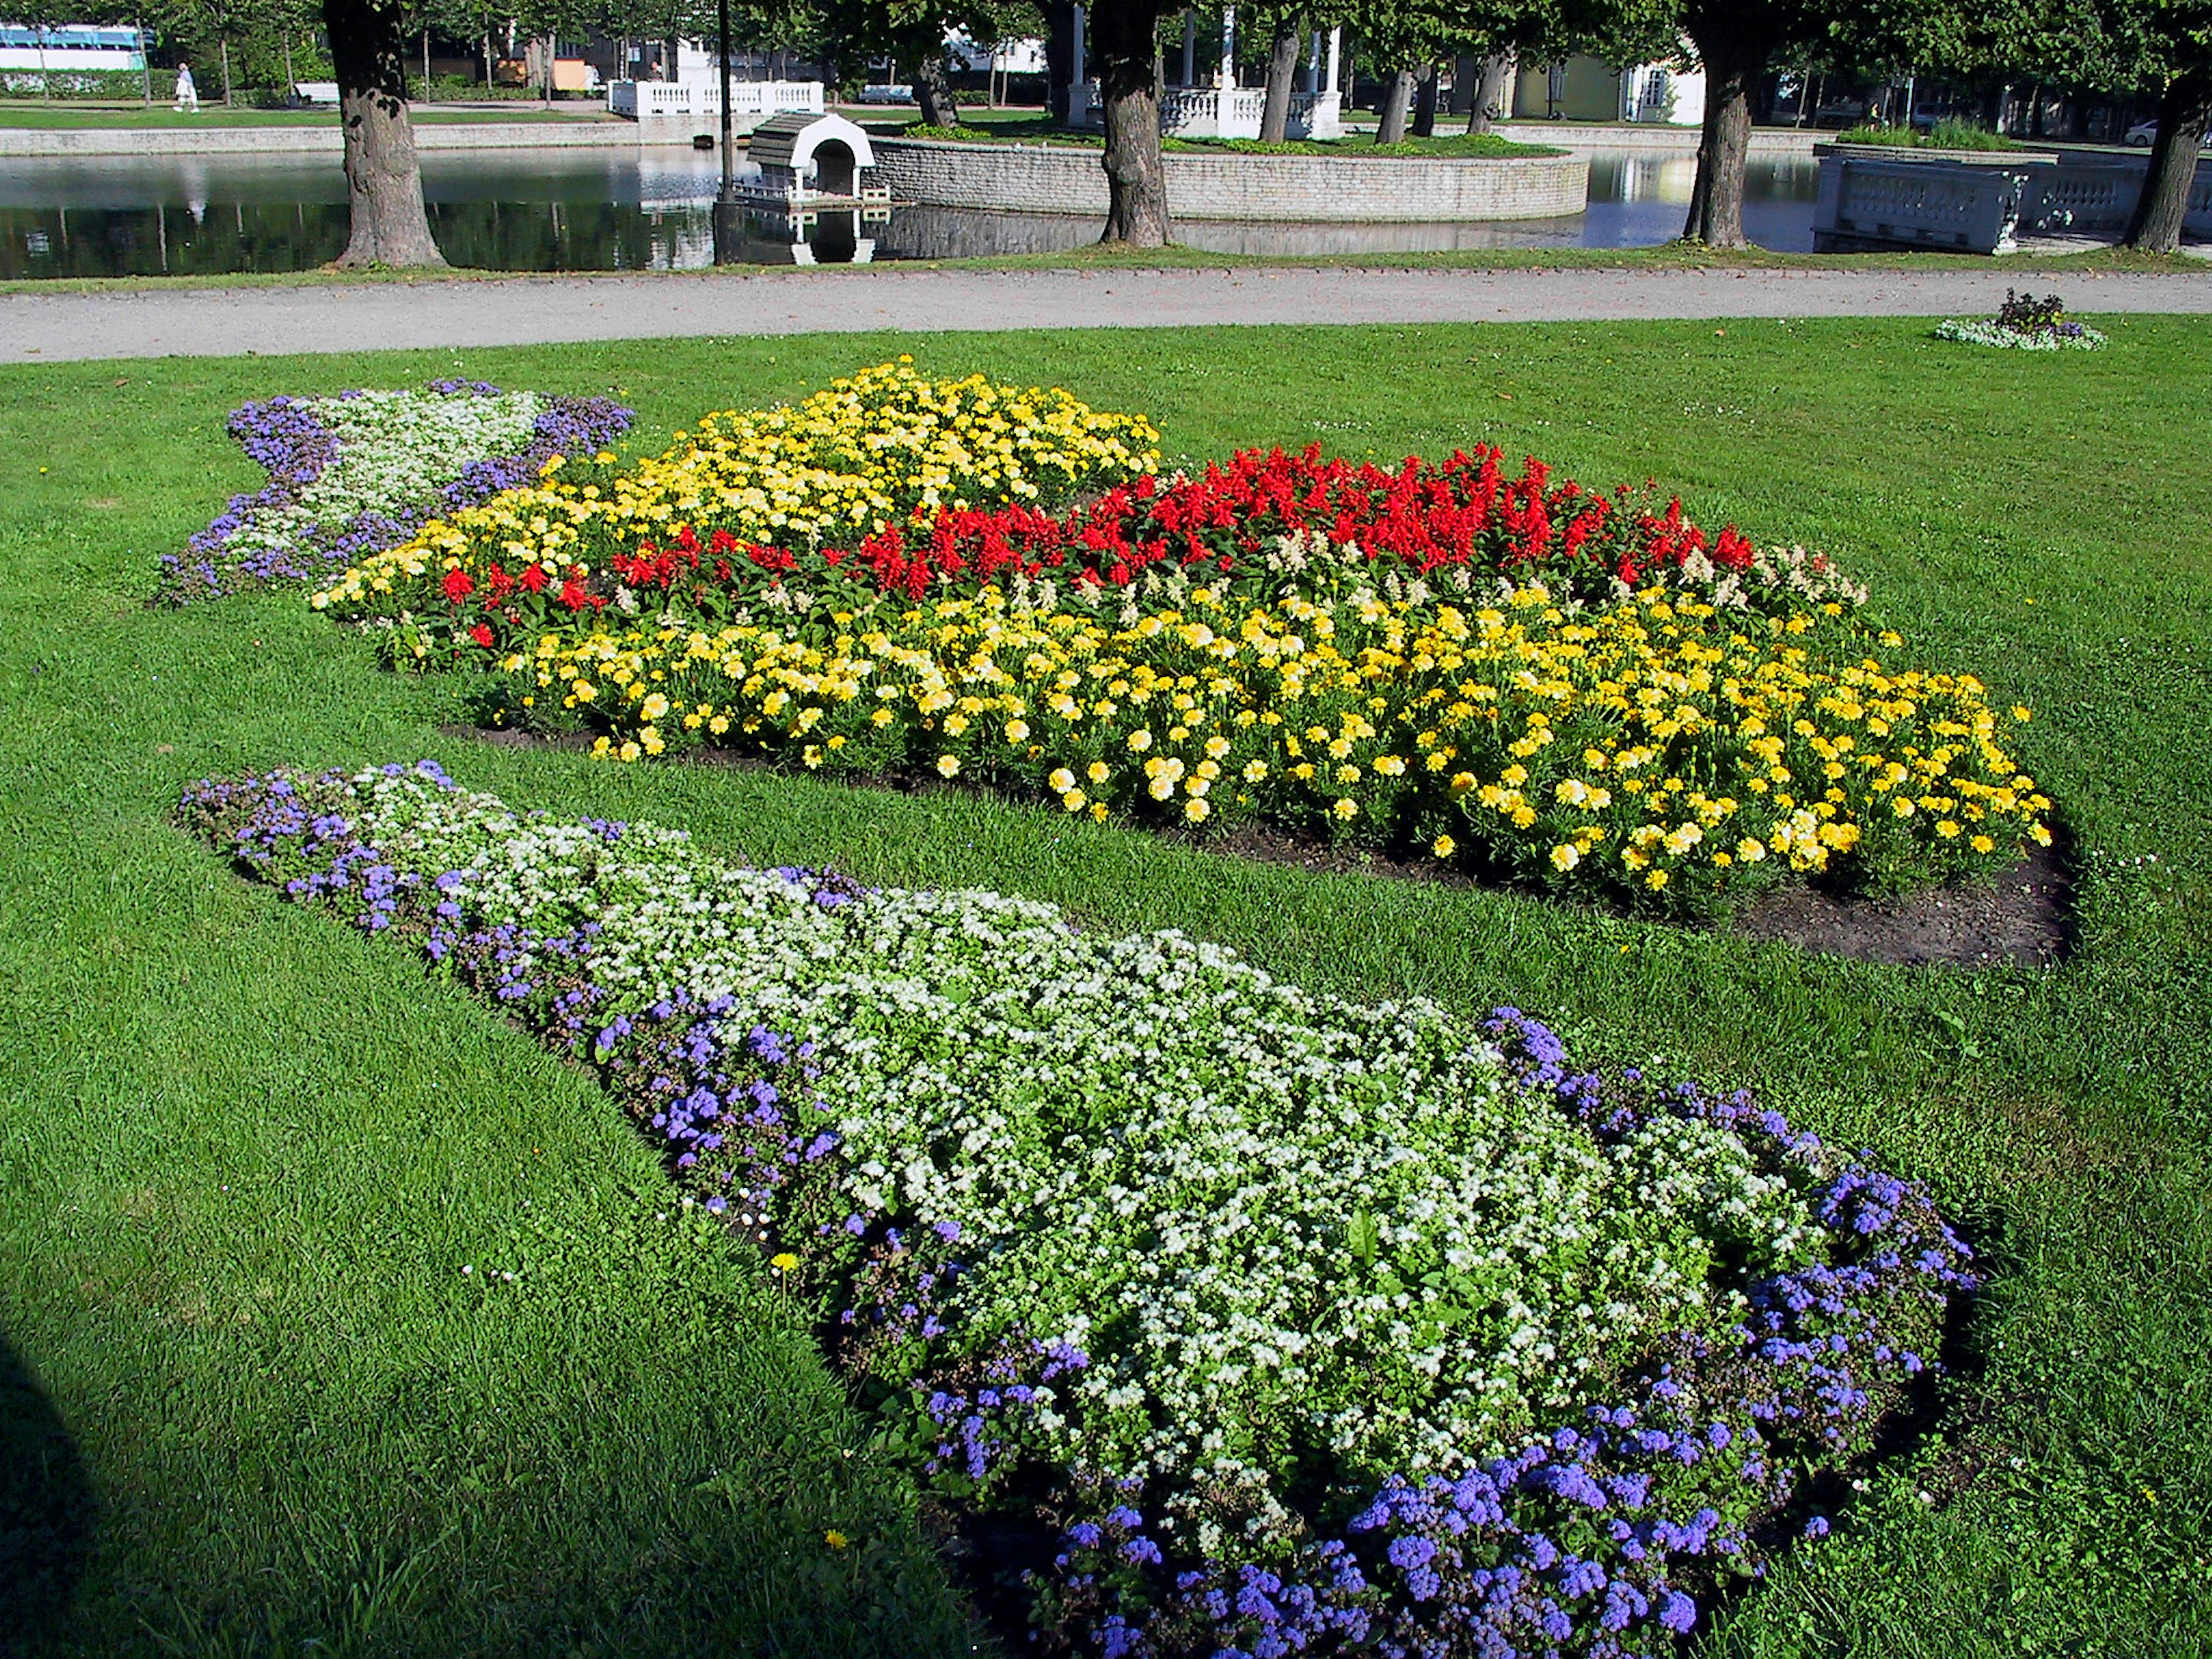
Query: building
1586,89
68,48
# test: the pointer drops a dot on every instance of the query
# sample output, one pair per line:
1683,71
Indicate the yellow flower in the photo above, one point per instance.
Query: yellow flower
948,765
1655,880
1196,810
1017,731
783,1262
1255,771
1346,809
1098,772
1443,846
1139,740
835,1539
1565,856
1073,799
1982,844
1060,781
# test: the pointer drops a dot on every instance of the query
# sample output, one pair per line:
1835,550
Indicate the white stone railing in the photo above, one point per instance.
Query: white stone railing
1224,112
701,100
1985,204
1959,206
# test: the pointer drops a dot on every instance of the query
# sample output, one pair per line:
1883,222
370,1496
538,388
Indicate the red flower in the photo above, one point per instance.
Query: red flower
459,585
482,635
533,577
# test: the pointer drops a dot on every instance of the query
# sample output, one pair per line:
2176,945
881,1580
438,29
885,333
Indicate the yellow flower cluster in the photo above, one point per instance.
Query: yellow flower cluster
878,447
1656,747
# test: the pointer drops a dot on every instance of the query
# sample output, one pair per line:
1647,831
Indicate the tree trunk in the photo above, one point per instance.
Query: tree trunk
1424,101
932,93
384,182
1282,68
2184,110
223,46
1735,58
1397,104
1122,42
426,62
1487,103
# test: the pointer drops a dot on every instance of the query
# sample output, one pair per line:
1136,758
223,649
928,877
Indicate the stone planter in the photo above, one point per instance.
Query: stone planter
1326,189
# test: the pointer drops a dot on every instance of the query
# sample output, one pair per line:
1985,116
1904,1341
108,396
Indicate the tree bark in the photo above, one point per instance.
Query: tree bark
932,93
1487,103
1282,68
1122,35
384,181
1397,105
2184,110
1735,56
222,45
1424,101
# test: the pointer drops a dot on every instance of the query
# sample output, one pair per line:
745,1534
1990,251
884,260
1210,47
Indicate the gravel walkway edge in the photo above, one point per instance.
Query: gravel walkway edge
540,310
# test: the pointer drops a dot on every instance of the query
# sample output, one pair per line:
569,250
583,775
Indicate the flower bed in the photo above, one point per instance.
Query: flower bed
353,475
752,490
2025,323
1264,525
1568,687
1662,752
1304,1319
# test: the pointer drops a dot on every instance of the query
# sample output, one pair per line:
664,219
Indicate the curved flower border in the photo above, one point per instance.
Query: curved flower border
285,435
1593,1540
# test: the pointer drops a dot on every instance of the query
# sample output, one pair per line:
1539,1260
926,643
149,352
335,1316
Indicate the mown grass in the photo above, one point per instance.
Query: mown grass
245,1154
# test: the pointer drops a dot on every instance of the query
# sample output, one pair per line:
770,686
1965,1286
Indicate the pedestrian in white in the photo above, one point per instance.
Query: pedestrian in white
188,95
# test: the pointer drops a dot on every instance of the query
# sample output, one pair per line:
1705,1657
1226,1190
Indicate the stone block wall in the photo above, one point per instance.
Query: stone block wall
1040,178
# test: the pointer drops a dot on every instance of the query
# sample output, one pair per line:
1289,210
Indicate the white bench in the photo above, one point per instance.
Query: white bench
315,92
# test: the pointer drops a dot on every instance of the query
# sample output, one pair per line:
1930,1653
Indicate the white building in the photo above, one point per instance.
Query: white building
69,48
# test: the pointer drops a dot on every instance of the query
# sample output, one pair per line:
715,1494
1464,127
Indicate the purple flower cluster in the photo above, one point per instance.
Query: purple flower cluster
1595,1537
285,435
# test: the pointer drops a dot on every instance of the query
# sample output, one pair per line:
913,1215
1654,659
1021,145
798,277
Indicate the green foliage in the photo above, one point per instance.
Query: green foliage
1944,135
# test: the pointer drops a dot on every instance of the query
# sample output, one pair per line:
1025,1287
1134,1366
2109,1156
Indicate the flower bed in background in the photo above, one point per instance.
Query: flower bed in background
749,492
1305,1320
1574,688
2025,323
354,474
1261,525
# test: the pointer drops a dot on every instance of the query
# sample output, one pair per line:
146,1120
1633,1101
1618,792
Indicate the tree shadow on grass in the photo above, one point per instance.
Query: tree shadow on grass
46,1512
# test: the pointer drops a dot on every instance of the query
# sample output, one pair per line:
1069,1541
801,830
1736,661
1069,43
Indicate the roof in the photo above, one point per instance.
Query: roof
791,139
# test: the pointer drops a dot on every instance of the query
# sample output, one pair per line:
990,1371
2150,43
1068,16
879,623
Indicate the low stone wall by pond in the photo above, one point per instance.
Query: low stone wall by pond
1053,178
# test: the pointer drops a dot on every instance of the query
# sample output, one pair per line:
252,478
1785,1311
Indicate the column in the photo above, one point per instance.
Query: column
1313,64
1227,77
1077,79
1189,46
1336,52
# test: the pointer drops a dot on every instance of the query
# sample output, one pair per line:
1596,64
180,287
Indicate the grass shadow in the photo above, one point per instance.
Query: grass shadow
46,1510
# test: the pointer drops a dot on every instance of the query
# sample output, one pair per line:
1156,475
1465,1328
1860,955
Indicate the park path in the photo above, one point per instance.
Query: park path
535,310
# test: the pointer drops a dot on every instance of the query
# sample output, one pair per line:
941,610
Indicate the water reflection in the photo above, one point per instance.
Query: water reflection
651,210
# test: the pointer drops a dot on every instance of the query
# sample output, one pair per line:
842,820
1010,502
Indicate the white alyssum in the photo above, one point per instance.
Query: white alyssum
1281,1222
394,450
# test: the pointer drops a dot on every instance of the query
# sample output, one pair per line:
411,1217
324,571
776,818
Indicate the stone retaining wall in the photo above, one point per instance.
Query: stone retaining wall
319,140
1043,179
1598,135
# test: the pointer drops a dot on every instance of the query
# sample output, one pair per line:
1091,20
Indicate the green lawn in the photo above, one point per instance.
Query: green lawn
245,1155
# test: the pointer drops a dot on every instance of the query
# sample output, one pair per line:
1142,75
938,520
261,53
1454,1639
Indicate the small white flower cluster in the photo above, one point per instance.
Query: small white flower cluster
1984,332
394,450
1280,1223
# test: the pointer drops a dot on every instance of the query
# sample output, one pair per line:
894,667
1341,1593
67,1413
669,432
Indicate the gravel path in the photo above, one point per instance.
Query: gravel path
529,310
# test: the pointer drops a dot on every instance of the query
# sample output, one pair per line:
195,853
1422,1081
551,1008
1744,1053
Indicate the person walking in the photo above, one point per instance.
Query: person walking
188,95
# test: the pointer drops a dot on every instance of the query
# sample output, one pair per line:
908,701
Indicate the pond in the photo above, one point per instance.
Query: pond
568,210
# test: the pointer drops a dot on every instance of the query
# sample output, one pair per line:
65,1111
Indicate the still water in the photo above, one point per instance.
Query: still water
651,210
